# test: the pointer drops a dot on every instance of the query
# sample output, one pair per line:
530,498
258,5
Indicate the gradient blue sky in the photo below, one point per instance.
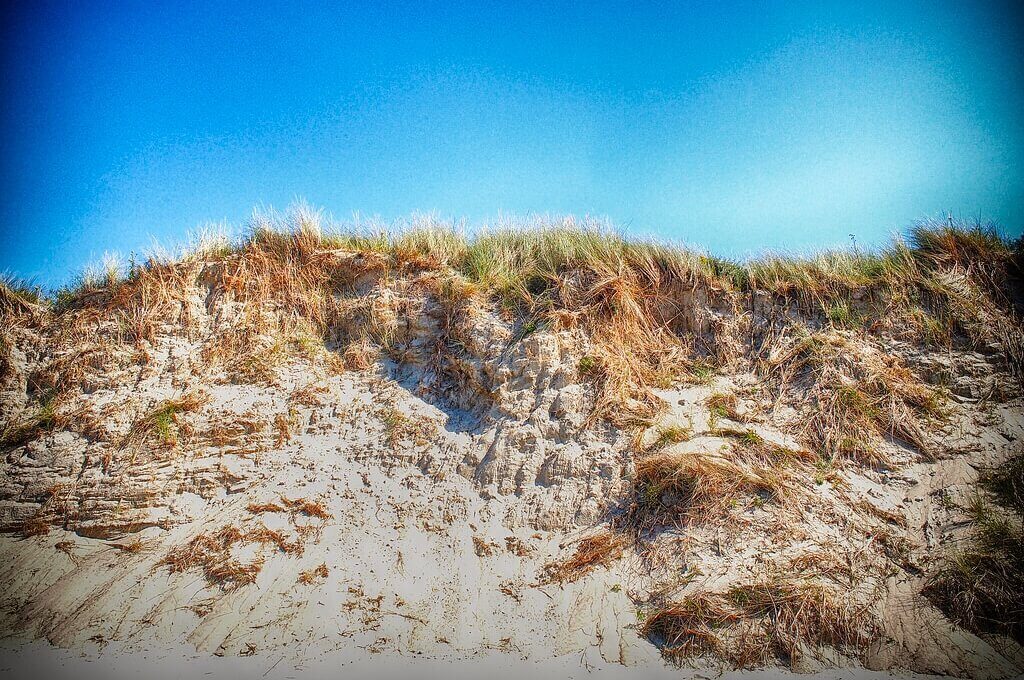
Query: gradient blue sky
733,125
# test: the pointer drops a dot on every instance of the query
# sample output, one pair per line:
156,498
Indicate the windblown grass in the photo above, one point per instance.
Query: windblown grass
18,296
781,618
22,428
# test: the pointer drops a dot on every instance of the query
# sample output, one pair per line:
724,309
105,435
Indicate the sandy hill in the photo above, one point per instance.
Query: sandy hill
545,442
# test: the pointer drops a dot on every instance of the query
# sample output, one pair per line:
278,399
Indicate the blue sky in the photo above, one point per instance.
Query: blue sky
736,126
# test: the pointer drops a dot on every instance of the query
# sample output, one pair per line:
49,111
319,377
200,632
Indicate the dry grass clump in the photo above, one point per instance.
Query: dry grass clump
677,485
306,507
668,435
600,549
691,628
212,554
975,247
20,297
311,576
723,405
266,536
634,349
131,547
1006,483
68,369
855,395
260,508
483,547
754,623
981,583
399,427
163,424
801,614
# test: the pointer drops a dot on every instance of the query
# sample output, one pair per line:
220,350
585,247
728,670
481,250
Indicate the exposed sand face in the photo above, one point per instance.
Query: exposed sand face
435,510
435,535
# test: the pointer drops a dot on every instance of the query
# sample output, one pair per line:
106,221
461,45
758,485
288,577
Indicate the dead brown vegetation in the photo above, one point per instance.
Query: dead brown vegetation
753,623
213,554
599,549
311,576
163,424
854,395
686,485
307,507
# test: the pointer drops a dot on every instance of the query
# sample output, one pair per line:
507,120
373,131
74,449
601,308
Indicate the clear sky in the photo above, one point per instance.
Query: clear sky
737,126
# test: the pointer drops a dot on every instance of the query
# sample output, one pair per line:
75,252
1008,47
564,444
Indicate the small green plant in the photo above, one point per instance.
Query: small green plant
163,422
20,431
721,405
702,372
841,315
673,434
165,426
751,438
822,469
528,328
587,365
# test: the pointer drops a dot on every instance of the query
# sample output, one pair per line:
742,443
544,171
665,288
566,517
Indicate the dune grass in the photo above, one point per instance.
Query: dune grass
675,485
775,617
302,282
17,294
858,396
524,263
26,426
